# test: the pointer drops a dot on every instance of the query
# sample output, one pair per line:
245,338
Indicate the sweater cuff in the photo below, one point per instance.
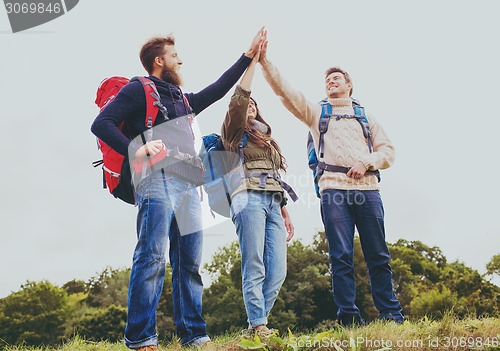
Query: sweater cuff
366,162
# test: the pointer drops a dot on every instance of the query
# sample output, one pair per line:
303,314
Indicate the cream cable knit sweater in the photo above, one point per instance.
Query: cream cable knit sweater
345,143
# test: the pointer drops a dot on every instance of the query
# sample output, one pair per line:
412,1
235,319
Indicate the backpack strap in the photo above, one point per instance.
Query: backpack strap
186,102
241,145
326,114
153,105
189,110
263,175
324,121
153,101
360,115
322,166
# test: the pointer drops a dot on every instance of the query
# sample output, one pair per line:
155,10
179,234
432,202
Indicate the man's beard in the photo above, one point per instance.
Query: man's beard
171,77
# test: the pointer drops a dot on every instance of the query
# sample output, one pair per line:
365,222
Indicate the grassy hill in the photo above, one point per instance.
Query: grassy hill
447,334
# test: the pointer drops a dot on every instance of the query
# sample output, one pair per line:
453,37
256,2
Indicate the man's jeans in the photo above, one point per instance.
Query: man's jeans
342,210
168,208
262,236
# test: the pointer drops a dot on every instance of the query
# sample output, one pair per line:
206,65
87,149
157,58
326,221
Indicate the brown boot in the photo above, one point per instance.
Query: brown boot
209,346
148,348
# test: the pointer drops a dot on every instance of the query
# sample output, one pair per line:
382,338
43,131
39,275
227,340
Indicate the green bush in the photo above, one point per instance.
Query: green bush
103,324
35,315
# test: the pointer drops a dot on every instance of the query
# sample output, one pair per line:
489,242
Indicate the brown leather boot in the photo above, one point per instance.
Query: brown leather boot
148,348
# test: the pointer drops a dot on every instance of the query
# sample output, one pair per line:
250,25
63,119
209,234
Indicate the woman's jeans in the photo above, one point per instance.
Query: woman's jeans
342,210
262,236
168,210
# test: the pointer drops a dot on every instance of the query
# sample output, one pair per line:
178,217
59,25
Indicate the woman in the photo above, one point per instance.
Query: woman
258,205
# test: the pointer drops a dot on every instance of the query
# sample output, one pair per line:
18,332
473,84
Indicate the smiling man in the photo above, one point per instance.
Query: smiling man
167,198
352,148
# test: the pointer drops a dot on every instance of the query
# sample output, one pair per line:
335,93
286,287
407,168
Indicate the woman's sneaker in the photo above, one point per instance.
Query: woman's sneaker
266,332
263,333
247,332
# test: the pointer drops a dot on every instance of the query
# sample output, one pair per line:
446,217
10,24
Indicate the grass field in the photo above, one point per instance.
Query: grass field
446,334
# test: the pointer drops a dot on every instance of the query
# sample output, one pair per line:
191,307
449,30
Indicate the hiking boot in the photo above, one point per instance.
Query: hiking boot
148,348
266,332
395,317
208,346
203,343
263,333
247,332
351,320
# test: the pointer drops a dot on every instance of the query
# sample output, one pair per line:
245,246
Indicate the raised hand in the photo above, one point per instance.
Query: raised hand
256,42
263,49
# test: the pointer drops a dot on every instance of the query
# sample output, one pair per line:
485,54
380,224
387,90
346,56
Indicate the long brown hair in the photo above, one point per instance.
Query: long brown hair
264,140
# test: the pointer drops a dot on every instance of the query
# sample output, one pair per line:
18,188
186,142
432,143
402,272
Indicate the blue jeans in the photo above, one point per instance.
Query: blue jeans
164,203
262,236
342,210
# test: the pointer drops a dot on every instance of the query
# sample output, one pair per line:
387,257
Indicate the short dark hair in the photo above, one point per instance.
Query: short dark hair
346,75
153,48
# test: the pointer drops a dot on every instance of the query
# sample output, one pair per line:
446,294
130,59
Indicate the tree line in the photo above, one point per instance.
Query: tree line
41,313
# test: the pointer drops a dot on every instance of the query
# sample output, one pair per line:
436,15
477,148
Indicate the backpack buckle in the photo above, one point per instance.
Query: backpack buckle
263,180
323,125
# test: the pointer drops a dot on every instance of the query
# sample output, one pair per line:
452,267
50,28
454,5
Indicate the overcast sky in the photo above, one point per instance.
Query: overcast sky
427,70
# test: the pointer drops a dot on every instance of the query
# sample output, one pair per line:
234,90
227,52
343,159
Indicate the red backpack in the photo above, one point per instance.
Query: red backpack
117,175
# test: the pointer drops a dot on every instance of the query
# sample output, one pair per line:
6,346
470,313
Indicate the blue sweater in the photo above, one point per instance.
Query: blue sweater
130,105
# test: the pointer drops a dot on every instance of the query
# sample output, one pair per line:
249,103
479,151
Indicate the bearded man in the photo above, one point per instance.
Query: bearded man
165,197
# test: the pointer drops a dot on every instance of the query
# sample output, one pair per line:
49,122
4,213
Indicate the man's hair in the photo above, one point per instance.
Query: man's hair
346,75
153,48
